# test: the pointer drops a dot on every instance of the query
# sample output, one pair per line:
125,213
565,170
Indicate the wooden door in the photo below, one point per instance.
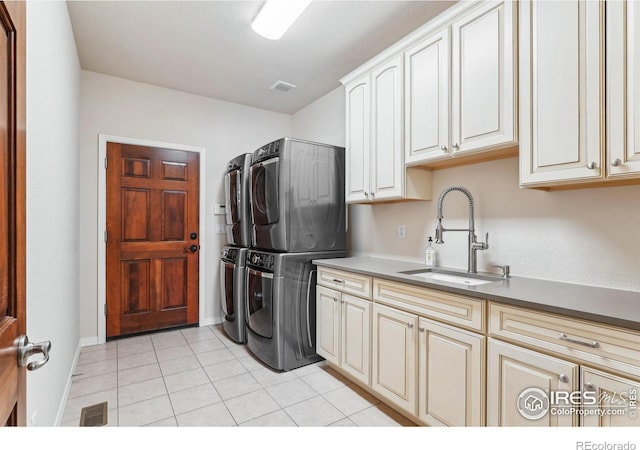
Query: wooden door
354,345
613,393
394,356
561,86
427,99
450,375
387,155
12,211
328,324
511,370
152,238
358,105
483,75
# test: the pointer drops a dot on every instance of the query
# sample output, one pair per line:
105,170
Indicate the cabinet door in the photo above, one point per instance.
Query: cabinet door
387,158
510,371
450,376
394,356
561,85
358,112
356,336
623,99
483,74
328,324
617,397
427,99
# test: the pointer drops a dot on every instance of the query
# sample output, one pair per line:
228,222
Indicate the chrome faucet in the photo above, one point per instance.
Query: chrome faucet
474,245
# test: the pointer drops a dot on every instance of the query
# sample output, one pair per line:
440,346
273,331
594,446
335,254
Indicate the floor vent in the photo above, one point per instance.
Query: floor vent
94,415
282,86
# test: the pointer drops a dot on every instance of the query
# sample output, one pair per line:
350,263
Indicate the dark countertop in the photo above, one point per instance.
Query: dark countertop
609,306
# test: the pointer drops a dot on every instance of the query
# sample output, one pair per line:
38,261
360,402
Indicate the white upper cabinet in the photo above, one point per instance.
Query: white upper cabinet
427,99
387,166
460,87
358,139
562,92
483,73
623,99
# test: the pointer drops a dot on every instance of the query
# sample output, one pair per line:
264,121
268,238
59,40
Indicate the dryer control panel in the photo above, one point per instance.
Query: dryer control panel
261,260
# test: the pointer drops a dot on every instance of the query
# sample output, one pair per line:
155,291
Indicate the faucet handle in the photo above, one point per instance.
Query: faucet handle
505,270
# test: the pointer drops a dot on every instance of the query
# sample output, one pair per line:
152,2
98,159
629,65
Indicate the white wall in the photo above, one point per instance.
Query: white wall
125,108
586,236
53,79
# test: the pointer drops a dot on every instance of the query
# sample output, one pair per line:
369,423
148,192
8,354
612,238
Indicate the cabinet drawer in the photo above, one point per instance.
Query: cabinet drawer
607,346
451,308
348,282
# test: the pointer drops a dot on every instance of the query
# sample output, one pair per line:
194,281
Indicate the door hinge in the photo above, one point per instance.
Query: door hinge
105,309
106,162
106,236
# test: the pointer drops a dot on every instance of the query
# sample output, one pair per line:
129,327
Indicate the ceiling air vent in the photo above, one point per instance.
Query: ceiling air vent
282,86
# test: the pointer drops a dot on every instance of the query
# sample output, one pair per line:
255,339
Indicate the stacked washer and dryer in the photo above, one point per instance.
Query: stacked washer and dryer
297,214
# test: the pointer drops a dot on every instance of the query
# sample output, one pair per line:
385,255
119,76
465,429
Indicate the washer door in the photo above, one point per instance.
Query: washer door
264,192
260,302
227,270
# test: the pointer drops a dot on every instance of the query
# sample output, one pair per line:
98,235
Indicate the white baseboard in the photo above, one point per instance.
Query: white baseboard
89,341
67,388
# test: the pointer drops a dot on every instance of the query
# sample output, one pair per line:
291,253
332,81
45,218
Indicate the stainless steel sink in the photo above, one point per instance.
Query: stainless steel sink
453,276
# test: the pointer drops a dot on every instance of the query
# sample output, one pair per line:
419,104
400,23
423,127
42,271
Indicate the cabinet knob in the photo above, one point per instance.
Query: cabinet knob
335,299
616,162
421,329
410,325
592,165
373,194
456,146
563,378
590,387
443,148
366,194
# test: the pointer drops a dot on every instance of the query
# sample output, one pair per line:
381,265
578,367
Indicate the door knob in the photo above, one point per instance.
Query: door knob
27,349
193,248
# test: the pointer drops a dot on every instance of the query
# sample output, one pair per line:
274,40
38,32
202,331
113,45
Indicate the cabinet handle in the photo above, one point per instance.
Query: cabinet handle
443,148
616,162
335,280
410,325
421,329
563,378
592,165
592,344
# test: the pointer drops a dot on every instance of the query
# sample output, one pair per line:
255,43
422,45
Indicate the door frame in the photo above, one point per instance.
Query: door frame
102,222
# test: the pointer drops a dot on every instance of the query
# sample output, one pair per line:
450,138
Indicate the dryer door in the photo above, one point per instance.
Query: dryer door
264,192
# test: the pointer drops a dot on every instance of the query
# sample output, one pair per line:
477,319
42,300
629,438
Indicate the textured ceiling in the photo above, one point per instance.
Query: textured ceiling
208,48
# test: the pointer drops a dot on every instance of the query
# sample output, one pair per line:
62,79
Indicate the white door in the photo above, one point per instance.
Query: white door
561,91
513,370
394,356
356,336
623,96
328,324
450,375
387,157
613,395
483,96
427,99
358,112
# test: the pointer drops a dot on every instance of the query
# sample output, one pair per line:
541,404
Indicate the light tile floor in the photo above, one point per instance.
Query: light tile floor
199,377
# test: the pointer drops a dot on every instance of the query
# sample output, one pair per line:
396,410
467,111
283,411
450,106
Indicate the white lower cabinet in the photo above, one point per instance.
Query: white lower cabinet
616,397
511,371
395,356
343,331
451,375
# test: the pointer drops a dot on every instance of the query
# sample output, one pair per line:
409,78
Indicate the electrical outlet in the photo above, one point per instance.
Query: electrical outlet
401,231
219,209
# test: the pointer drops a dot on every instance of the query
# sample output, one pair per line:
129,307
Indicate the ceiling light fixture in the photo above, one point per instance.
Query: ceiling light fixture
276,16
